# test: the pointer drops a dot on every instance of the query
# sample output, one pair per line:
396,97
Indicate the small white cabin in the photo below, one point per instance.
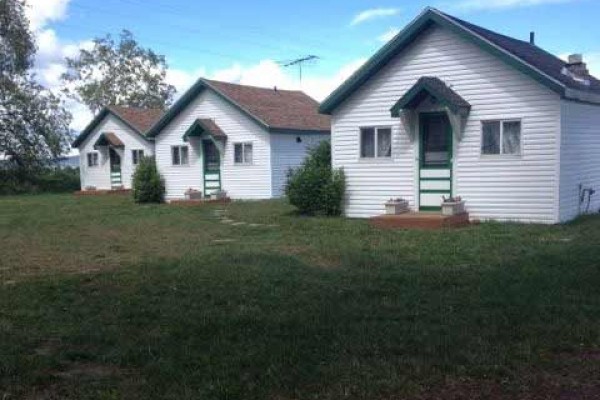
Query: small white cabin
448,108
111,145
234,138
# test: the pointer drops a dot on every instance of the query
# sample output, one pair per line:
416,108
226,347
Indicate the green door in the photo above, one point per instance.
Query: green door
212,167
115,168
435,161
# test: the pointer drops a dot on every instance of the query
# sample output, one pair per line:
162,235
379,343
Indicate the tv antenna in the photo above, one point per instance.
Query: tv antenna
299,62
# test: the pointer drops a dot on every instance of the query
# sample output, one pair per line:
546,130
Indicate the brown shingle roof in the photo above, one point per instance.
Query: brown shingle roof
211,127
109,138
141,119
278,109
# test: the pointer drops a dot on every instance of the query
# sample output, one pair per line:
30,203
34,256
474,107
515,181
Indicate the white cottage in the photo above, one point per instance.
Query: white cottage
111,145
235,138
450,108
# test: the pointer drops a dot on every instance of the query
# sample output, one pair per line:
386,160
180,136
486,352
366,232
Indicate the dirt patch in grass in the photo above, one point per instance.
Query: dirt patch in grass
310,256
91,370
569,377
85,379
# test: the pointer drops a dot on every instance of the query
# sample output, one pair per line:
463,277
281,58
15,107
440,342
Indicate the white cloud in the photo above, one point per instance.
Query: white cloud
502,4
267,73
51,52
389,35
373,13
182,80
41,12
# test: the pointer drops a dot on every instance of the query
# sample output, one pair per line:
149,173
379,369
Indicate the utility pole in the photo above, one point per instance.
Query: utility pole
299,62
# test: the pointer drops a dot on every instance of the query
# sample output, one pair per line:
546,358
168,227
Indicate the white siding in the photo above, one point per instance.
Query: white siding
580,157
511,188
240,181
99,176
287,153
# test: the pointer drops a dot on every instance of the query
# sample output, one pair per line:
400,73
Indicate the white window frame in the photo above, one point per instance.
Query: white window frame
140,155
93,156
501,154
181,164
376,144
244,161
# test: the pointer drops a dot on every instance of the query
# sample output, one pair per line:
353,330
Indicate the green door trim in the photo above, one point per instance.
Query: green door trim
116,175
208,171
449,166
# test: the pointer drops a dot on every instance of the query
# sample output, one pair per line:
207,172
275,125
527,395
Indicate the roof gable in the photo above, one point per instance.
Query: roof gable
137,119
432,86
273,109
498,45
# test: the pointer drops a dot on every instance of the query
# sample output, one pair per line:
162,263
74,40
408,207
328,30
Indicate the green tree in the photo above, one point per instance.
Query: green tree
314,188
118,73
148,185
34,125
16,43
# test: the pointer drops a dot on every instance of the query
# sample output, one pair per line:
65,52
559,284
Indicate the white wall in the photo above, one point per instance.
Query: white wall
100,176
287,153
240,181
506,188
580,157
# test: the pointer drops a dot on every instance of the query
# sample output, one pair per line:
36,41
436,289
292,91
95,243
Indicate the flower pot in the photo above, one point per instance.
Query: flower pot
453,207
396,207
193,195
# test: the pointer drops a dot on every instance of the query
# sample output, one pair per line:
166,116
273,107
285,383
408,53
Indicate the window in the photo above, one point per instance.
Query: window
242,153
179,155
136,156
375,142
501,137
92,159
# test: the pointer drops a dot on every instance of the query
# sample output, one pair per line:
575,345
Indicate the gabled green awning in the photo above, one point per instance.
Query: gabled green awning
109,139
202,127
435,88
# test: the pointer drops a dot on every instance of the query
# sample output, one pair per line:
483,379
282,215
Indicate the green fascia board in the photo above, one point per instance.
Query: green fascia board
407,35
102,141
416,90
189,96
198,129
96,121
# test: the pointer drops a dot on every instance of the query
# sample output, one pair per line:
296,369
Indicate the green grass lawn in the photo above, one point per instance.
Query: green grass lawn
104,299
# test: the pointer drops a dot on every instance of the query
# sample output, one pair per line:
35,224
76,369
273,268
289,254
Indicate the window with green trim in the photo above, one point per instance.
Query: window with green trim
136,156
242,153
501,137
92,159
180,155
376,142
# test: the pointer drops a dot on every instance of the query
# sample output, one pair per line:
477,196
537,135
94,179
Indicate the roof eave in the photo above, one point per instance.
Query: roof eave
96,121
188,97
294,131
582,96
407,35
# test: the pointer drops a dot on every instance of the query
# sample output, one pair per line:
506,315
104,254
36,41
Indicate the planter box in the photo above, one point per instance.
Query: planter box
453,208
396,207
194,195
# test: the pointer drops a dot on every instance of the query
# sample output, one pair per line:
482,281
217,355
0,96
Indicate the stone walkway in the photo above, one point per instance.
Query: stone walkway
221,214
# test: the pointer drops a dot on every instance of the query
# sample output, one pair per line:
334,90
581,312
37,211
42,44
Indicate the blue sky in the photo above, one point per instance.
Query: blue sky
243,40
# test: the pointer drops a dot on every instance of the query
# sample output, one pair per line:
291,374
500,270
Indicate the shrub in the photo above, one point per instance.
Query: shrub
38,180
148,186
314,188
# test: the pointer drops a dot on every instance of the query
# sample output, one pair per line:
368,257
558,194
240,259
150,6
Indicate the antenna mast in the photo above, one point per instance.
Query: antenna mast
299,62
